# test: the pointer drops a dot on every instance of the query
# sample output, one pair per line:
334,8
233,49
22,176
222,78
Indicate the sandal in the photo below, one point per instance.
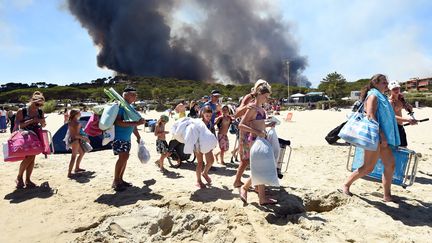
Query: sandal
19,184
237,185
79,170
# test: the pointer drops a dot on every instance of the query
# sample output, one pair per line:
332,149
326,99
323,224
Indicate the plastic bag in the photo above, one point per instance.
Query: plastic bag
143,153
272,137
86,147
108,136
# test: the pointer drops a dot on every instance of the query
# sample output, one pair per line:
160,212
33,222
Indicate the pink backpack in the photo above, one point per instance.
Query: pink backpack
92,127
24,143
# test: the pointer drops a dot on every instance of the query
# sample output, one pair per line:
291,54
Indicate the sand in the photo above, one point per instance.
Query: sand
169,208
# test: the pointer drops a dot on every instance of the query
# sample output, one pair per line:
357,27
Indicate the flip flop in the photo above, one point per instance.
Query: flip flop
79,170
126,184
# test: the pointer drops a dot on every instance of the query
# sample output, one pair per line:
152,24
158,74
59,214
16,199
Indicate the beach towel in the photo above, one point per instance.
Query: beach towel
92,126
130,113
109,116
108,136
263,164
193,133
386,118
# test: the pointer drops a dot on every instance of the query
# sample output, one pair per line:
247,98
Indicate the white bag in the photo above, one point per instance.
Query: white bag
262,163
108,116
143,153
272,137
108,136
66,140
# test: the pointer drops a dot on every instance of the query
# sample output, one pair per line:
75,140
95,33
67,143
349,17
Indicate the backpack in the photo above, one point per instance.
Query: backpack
332,136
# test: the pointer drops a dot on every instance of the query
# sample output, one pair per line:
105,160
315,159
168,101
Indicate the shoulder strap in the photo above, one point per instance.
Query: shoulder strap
40,112
24,112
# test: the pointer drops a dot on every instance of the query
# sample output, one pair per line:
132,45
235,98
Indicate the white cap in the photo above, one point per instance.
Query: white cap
393,84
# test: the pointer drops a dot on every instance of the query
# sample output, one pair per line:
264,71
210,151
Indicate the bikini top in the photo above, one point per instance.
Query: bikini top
261,114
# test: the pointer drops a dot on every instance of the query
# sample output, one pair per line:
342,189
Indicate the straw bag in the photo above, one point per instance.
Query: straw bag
360,131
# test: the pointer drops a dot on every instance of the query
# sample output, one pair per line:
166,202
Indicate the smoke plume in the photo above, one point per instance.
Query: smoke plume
235,41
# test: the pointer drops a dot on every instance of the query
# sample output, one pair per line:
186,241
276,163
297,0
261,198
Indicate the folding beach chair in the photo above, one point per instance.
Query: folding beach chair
283,144
405,165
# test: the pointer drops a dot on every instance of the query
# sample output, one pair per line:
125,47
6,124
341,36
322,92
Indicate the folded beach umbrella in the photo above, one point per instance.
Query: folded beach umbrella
130,113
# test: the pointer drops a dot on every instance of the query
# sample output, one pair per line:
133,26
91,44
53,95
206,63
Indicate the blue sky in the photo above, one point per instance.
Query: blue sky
41,41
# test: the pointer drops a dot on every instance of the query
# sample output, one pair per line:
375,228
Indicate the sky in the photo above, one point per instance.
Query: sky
41,41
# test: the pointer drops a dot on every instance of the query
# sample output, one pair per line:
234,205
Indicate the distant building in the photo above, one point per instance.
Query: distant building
355,95
418,84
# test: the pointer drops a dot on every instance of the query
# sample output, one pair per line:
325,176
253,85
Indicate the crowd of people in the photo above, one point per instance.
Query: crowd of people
250,116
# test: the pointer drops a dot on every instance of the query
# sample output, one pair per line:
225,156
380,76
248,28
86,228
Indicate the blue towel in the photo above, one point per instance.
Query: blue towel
386,118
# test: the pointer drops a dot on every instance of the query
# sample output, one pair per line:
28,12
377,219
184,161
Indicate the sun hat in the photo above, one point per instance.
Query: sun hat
393,84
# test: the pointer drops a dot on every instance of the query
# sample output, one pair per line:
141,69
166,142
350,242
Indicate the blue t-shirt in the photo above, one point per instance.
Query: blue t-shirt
213,107
122,133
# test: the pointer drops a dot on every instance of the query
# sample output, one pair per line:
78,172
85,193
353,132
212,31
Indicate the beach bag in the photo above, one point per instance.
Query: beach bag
143,153
273,138
263,164
360,131
24,143
92,126
332,136
45,138
8,158
86,147
109,116
108,136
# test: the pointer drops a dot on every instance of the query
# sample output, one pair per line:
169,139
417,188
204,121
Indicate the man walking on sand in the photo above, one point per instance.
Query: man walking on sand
122,140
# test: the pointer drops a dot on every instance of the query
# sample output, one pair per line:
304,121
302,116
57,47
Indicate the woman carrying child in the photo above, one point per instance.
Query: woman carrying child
161,143
76,139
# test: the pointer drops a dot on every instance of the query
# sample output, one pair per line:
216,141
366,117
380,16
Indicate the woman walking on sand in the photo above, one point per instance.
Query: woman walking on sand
253,122
30,118
379,109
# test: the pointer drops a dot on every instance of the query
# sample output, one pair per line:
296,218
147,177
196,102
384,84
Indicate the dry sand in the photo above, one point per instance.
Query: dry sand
170,208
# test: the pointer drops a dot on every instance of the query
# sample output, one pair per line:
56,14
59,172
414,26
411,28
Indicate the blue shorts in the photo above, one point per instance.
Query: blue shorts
120,146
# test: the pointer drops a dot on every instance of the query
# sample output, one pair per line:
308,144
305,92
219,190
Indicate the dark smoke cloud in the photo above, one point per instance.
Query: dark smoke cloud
234,42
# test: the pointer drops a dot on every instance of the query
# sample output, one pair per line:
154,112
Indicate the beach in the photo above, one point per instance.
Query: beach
170,208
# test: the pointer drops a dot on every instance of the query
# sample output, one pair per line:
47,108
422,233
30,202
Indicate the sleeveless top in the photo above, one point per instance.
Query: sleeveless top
27,117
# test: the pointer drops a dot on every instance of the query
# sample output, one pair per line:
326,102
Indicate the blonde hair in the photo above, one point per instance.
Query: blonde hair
258,83
37,97
262,89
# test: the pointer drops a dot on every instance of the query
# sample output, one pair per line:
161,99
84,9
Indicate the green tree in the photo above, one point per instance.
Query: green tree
24,98
333,85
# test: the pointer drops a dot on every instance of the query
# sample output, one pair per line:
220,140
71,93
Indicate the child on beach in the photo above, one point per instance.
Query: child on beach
223,122
206,116
161,143
76,138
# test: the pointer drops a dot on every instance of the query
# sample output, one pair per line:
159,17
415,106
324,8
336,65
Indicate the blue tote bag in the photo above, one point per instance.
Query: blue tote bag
360,131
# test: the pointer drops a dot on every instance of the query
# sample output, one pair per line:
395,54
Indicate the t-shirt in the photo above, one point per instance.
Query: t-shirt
214,112
122,133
